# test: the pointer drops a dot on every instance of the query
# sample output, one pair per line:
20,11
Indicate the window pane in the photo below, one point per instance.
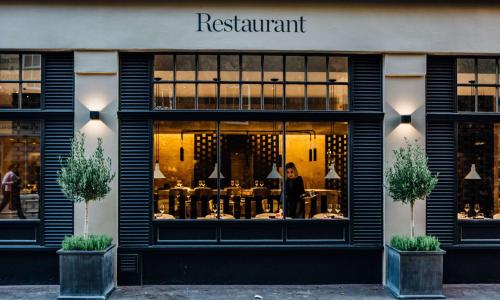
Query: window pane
251,68
229,68
207,96
337,68
316,69
9,95
185,96
316,97
20,157
251,165
486,98
250,96
477,170
273,96
486,69
295,68
339,97
466,98
465,70
164,96
273,68
229,96
30,95
185,67
9,67
207,67
316,170
186,156
164,67
295,97
32,67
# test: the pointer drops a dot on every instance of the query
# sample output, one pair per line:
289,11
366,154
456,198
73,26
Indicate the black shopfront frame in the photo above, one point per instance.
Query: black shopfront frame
472,247
144,260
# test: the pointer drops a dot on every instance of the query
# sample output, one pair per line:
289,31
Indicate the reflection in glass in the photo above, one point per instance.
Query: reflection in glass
338,68
32,67
9,95
312,148
273,96
338,97
316,68
20,169
30,96
250,96
229,96
164,95
486,98
207,96
295,68
295,97
9,67
185,67
229,68
486,69
273,67
251,68
465,70
185,96
207,67
316,97
466,98
164,67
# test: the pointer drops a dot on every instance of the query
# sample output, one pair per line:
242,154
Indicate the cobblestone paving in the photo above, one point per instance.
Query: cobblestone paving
253,292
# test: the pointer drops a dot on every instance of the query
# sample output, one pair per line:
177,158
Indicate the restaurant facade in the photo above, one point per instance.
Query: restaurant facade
250,140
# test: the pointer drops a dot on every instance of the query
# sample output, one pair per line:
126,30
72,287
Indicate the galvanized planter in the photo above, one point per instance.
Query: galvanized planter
415,274
86,274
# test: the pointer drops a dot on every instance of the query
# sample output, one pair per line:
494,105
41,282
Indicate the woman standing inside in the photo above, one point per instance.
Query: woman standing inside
294,192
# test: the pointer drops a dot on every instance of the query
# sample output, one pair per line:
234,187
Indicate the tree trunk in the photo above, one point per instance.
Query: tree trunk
412,220
86,226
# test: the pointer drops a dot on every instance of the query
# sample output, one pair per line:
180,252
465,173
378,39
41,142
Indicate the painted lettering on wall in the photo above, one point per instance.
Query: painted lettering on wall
207,23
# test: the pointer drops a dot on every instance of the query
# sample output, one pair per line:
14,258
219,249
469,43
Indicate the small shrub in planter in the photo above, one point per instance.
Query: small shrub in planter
86,262
414,263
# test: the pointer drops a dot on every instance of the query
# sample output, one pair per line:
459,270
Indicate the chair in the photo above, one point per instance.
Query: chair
199,203
496,216
177,199
274,208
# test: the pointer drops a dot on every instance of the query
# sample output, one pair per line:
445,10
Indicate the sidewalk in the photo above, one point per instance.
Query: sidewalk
240,292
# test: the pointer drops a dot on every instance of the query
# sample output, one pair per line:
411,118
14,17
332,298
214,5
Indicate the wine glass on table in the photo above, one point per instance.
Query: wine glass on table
329,209
267,207
162,209
467,209
261,183
477,208
256,183
337,208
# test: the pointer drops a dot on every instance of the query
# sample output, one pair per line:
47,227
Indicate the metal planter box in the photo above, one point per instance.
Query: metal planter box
86,274
415,274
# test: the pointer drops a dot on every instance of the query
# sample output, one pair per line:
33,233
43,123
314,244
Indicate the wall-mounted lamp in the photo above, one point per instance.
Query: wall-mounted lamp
94,115
405,119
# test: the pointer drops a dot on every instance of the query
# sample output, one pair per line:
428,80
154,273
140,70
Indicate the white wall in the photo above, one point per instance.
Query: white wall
342,27
404,94
96,88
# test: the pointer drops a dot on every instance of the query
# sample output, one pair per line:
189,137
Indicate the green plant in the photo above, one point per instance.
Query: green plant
90,242
409,178
85,178
418,243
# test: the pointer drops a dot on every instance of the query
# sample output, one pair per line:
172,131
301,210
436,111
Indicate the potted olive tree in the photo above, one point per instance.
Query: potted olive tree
86,262
414,263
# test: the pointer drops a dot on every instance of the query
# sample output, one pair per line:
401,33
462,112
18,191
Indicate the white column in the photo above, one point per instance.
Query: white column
404,94
96,89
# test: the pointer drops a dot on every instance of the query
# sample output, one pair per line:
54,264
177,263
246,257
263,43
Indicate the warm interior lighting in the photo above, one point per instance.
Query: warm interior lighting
274,174
473,174
157,173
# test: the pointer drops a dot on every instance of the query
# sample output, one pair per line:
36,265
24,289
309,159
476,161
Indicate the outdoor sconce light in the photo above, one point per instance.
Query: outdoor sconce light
405,119
94,115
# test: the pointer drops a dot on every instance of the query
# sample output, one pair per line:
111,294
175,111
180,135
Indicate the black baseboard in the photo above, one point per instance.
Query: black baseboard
29,266
274,265
472,265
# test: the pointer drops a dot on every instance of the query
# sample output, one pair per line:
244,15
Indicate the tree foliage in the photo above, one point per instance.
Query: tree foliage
409,178
85,178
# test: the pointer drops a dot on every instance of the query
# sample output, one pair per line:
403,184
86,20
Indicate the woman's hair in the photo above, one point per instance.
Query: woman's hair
292,166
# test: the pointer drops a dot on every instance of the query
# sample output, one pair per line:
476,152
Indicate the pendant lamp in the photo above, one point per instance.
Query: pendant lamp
157,172
213,175
274,174
473,174
332,174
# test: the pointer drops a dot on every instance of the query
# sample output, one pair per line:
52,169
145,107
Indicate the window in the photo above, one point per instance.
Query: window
20,169
20,81
237,170
478,171
251,82
477,84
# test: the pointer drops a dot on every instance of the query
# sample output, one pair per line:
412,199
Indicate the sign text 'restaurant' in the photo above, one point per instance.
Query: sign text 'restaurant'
236,24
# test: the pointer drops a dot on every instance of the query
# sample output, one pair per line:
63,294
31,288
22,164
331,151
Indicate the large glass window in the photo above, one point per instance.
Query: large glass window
20,80
250,82
20,169
250,170
477,84
478,171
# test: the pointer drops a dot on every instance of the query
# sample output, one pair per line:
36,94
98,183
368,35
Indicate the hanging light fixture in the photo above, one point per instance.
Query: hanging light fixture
332,174
157,172
157,92
315,152
310,148
274,174
181,150
213,175
332,101
473,174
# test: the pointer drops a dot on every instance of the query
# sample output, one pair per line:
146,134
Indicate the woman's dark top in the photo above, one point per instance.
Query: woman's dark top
294,201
